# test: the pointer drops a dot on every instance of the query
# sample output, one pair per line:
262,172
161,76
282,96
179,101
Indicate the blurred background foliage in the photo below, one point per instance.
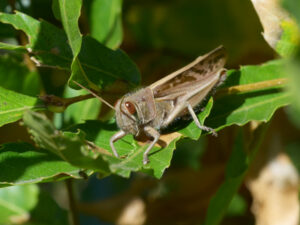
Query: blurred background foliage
160,37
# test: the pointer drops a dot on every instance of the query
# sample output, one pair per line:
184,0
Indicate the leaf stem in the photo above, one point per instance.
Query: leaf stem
251,87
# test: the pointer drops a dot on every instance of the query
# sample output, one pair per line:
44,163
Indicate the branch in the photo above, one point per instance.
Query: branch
58,104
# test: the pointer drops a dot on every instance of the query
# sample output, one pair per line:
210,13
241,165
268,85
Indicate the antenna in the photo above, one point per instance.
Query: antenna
90,91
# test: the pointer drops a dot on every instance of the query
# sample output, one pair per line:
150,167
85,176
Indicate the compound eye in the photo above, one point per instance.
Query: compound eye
130,107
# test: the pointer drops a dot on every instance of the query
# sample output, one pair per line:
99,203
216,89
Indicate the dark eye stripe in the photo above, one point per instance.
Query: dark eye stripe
130,107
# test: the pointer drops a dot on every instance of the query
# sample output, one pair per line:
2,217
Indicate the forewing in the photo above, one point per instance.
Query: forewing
192,78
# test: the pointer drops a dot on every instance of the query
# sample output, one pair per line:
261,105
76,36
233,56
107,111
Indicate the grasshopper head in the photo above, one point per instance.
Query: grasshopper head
135,110
126,115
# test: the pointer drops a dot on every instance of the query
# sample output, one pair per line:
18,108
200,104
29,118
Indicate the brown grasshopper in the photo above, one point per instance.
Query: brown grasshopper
150,109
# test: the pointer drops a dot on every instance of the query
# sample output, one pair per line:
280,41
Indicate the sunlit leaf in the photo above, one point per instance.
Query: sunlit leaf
73,148
16,202
130,151
22,163
13,105
70,147
102,65
17,48
69,13
48,45
289,41
105,21
257,105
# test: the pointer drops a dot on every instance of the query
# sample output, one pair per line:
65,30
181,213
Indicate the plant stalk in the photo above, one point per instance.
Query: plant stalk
72,203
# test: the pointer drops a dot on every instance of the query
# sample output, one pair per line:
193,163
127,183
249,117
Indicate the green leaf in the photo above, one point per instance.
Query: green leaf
32,84
132,153
234,177
13,105
56,9
237,207
289,41
80,111
73,148
159,157
47,43
106,21
16,202
26,204
16,48
293,67
95,62
102,65
70,13
236,169
70,147
257,105
15,75
22,163
293,70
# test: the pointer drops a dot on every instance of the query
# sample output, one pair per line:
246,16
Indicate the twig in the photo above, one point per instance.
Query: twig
58,104
251,87
69,101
